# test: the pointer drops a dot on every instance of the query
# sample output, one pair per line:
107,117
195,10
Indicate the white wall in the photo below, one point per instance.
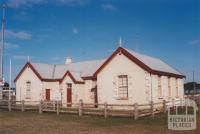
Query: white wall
107,81
165,88
77,90
141,84
88,94
54,88
36,86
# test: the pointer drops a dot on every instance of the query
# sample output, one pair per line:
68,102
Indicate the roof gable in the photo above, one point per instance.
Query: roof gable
38,70
23,69
71,77
85,70
150,64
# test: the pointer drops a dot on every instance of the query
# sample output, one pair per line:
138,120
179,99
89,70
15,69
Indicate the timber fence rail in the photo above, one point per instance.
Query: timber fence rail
195,97
105,110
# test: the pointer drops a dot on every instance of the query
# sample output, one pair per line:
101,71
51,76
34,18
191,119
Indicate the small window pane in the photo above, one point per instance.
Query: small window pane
28,89
123,86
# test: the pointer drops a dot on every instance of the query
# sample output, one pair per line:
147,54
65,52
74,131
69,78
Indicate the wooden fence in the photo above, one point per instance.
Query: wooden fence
122,110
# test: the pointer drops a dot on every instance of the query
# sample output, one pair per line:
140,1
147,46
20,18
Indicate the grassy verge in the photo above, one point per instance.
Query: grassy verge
31,122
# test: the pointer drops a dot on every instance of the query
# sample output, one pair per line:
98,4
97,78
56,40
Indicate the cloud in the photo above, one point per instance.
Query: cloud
29,3
55,58
195,42
72,2
11,46
20,57
109,7
75,30
18,35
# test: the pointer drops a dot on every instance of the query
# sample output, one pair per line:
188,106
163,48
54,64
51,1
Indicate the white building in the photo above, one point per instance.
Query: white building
125,77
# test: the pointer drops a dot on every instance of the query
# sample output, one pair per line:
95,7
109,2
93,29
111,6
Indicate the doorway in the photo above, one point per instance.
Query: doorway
69,94
48,94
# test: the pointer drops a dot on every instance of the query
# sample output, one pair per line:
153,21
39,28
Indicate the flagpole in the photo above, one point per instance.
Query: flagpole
10,79
2,41
2,51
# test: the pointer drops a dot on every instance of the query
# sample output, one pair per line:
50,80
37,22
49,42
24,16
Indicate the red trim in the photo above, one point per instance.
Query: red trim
71,76
89,78
121,50
25,66
28,64
51,80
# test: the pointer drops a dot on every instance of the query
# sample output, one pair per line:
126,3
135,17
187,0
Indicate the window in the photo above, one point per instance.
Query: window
159,87
177,93
123,86
169,87
28,90
69,85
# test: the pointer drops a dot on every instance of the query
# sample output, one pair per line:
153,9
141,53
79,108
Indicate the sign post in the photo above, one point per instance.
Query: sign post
57,96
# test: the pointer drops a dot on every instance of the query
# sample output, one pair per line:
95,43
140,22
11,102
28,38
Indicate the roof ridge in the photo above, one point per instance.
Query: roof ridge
42,63
89,60
69,64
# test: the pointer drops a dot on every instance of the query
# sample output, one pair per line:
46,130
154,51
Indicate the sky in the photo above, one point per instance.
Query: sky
50,30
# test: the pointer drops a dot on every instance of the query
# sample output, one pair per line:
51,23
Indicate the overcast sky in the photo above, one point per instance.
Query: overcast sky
50,30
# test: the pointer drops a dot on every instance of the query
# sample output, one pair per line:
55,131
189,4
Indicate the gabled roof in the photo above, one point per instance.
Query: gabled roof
154,63
56,72
148,63
80,71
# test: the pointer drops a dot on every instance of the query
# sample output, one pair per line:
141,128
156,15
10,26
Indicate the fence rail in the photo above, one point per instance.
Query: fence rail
123,110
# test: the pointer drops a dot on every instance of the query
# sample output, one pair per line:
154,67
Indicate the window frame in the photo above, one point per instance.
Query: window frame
169,87
177,90
123,87
160,91
28,90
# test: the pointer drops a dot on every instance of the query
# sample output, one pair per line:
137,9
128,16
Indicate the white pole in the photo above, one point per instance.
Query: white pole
2,49
2,40
10,79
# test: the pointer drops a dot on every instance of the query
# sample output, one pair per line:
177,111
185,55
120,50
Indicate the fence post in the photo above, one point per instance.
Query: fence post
9,105
181,102
80,108
58,107
173,102
136,111
199,100
164,106
22,108
40,107
54,105
105,110
152,109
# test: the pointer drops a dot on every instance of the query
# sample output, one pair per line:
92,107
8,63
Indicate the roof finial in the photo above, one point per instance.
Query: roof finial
28,58
120,42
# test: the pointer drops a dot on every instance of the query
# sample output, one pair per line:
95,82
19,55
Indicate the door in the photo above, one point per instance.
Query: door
69,94
48,94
